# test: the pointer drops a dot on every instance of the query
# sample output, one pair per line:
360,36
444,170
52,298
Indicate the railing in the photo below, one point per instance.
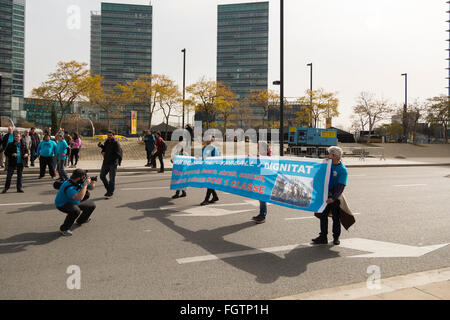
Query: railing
362,152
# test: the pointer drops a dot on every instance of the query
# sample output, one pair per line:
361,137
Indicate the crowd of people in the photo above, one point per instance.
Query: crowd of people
73,194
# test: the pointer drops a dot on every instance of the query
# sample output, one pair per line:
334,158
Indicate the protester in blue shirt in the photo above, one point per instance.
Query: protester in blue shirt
338,181
16,152
46,151
210,150
61,155
70,200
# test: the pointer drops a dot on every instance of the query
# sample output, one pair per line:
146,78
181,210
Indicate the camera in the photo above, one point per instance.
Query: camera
94,178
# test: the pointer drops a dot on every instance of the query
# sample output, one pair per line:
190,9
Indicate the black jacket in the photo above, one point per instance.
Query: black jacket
113,153
11,149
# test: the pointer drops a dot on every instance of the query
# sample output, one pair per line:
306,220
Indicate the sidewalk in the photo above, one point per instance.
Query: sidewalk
350,162
428,285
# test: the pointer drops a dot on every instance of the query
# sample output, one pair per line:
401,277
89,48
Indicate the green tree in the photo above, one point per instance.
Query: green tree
324,105
438,113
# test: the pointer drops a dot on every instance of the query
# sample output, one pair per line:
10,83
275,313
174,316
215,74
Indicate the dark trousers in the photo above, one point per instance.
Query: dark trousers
46,162
334,208
150,159
66,162
73,212
74,153
212,192
158,155
11,169
112,170
32,155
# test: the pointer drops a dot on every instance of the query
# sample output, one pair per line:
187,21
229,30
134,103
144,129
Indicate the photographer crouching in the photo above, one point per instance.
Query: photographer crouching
72,199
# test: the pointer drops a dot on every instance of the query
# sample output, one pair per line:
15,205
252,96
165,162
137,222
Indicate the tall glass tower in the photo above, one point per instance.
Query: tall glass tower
12,58
121,42
242,48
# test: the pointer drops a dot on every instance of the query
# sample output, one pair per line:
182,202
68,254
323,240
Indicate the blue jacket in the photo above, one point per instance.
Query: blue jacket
61,147
46,148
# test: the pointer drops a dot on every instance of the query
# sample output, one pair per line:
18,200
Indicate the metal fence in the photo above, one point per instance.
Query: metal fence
364,152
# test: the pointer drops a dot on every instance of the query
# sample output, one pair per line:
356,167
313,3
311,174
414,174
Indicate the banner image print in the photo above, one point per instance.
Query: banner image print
298,183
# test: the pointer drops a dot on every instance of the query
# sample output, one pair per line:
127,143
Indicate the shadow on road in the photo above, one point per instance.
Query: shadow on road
266,267
33,208
148,204
13,244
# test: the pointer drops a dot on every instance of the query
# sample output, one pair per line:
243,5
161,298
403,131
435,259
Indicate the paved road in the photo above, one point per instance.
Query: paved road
141,244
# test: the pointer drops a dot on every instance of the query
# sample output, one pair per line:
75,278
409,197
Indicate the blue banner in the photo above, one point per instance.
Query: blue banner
298,183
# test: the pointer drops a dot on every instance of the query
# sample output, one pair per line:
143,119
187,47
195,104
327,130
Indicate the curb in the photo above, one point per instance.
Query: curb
138,169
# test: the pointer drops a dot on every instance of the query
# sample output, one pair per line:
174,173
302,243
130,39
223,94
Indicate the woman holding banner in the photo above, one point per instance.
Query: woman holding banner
263,150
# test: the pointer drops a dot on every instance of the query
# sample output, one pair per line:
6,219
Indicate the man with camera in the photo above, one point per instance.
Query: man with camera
112,157
72,199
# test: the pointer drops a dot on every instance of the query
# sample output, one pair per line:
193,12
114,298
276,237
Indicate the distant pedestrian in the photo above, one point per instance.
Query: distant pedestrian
26,138
210,150
71,199
7,139
338,181
68,139
46,151
263,150
112,157
75,149
1,150
34,145
61,156
16,152
149,140
159,151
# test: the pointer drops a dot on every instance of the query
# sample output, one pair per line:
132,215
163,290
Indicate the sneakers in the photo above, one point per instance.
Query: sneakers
183,194
108,195
320,240
336,241
259,219
20,191
66,233
177,195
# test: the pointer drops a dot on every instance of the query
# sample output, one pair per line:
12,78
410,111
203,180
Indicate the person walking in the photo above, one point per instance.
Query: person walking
1,150
263,150
112,157
210,150
338,182
182,152
7,139
61,155
17,153
149,140
159,151
46,151
75,149
26,138
34,145
71,201
68,139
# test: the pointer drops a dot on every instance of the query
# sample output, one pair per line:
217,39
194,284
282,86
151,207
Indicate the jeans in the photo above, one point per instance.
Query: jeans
334,208
74,153
262,209
61,171
73,212
11,169
46,162
112,170
32,155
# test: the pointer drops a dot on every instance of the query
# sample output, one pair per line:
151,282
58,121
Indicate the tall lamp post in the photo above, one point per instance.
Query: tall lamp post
405,106
282,77
184,82
310,93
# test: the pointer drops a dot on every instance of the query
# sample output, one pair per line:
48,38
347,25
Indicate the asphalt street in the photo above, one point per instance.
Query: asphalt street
141,244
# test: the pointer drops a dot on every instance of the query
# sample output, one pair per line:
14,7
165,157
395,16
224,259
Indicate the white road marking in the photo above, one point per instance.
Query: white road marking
152,188
379,249
410,185
20,204
16,243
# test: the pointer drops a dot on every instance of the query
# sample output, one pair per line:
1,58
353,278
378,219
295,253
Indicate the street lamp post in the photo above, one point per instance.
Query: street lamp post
405,106
282,77
184,82
311,91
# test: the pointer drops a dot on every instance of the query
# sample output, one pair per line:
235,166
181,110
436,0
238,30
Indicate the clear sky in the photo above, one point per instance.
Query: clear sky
354,45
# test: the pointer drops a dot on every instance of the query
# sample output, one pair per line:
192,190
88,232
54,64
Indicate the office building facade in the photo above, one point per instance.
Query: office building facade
242,48
12,58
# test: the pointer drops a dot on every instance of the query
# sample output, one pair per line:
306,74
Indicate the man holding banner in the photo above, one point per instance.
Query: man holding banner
338,181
